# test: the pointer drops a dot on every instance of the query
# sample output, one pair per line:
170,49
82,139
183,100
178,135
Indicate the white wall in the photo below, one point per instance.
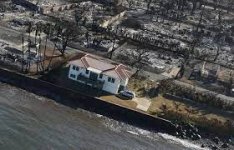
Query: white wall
108,86
81,71
124,82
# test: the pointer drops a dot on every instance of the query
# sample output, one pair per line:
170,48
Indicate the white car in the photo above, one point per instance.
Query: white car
127,94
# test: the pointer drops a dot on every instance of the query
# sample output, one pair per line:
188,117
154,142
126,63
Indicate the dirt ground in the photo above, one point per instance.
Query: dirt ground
186,108
126,103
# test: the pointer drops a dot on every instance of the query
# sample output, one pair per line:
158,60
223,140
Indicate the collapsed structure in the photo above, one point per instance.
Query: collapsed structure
44,8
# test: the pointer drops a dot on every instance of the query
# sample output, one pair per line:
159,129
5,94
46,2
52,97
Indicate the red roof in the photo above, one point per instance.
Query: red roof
105,66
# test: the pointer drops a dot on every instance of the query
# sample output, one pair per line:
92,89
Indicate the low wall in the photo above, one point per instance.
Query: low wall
57,8
74,100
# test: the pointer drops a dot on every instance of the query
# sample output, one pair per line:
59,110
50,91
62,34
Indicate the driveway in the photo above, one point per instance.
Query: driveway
142,103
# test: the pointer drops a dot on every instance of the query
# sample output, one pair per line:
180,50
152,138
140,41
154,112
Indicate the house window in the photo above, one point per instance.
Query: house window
113,80
74,67
72,76
100,76
87,71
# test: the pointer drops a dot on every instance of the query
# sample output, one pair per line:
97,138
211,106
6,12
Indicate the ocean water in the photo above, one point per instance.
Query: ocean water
30,122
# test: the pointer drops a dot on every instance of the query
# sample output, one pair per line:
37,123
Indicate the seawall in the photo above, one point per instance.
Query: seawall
75,100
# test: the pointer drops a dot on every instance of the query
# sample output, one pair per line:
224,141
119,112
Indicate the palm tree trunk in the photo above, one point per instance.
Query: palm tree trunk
51,58
44,55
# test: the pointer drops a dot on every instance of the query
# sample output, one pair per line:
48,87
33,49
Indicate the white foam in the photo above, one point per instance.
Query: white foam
143,132
122,127
132,132
183,142
113,127
99,116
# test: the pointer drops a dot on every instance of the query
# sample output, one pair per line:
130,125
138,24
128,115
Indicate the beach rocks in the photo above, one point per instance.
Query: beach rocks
196,137
216,140
213,147
202,146
225,145
229,140
191,132
188,131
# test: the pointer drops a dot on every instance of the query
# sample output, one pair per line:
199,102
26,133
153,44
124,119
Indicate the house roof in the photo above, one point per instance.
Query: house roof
101,65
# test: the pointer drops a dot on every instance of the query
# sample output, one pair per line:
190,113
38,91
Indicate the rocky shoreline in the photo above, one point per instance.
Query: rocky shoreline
203,138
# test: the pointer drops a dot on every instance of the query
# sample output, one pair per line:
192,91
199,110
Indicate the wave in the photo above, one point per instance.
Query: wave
122,127
185,143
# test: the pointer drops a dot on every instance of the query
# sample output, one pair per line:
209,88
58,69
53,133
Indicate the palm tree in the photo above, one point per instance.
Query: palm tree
51,58
29,30
200,20
65,32
44,54
148,4
113,46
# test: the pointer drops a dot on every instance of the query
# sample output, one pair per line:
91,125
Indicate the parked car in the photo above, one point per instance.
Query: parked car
127,94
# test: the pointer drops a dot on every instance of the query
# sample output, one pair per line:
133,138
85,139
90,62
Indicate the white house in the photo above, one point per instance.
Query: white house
100,73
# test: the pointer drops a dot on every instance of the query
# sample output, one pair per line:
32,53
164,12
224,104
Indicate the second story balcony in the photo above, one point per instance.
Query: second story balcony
94,82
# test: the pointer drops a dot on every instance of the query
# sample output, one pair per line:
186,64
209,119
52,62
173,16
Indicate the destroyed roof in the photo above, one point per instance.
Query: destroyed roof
225,75
46,2
211,66
13,50
103,66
